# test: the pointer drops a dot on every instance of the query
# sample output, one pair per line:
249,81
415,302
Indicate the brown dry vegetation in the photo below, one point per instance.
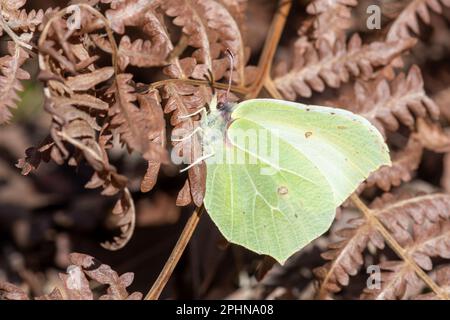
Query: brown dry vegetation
98,103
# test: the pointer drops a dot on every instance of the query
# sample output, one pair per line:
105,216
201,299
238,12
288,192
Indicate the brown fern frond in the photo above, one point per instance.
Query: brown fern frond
83,122
183,100
345,256
9,9
10,79
397,281
442,99
408,17
387,104
75,284
210,29
80,135
433,136
400,281
135,125
143,53
445,179
28,21
332,18
129,13
442,276
238,9
150,52
314,69
86,81
152,102
404,163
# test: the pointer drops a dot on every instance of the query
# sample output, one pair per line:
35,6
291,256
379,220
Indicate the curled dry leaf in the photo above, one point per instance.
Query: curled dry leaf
125,213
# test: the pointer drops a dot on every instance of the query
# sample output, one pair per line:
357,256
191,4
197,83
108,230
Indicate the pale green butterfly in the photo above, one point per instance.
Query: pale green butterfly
277,170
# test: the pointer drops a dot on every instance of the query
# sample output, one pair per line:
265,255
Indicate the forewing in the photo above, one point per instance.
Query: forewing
343,146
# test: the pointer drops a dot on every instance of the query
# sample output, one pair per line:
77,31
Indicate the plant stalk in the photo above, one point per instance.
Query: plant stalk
176,254
270,46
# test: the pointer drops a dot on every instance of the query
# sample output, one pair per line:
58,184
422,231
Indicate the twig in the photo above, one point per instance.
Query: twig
397,247
272,89
270,46
176,254
218,85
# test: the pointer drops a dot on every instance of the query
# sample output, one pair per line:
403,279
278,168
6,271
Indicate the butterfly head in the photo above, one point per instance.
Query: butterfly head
225,109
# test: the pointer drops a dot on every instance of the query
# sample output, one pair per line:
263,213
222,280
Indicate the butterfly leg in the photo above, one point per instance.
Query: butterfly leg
202,158
197,161
198,130
202,110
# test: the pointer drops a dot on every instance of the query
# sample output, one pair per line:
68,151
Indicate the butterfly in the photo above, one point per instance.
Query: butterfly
278,170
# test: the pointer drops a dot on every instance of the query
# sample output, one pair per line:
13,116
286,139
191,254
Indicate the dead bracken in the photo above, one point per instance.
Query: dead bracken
124,78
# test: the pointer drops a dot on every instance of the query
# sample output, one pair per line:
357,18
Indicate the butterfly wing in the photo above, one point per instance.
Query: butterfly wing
277,195
343,146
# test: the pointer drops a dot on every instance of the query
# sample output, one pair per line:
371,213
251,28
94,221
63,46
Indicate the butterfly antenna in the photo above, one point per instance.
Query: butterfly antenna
231,58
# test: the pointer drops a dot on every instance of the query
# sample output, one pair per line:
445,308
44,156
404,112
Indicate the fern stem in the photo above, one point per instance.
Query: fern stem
272,89
176,254
218,85
12,34
270,46
390,240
